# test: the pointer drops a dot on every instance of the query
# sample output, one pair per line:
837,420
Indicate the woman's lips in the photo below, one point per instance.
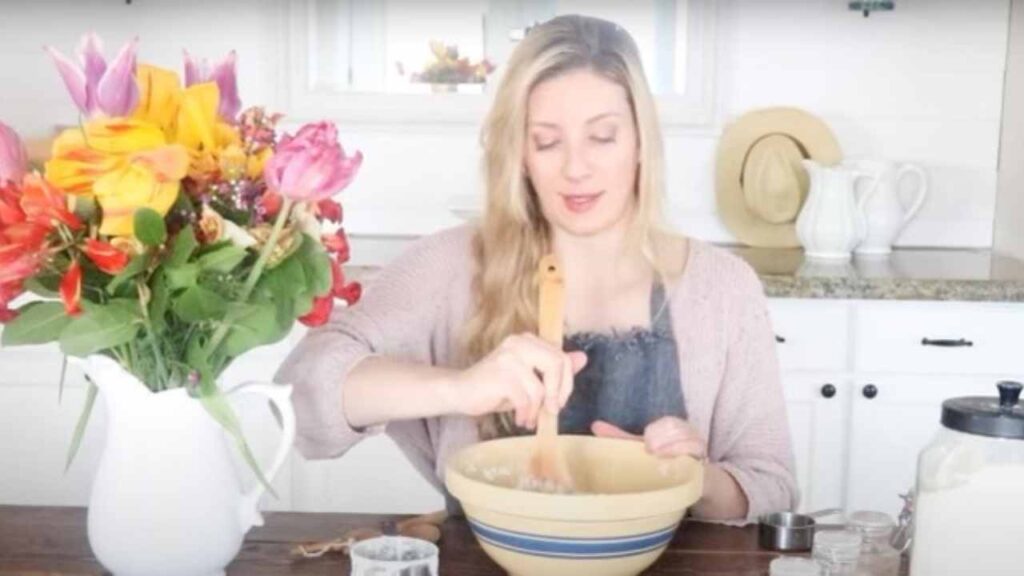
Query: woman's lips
579,203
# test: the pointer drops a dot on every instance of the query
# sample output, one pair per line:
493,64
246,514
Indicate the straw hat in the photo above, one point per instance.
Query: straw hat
760,184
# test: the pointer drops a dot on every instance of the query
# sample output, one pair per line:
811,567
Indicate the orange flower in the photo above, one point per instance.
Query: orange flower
105,256
71,289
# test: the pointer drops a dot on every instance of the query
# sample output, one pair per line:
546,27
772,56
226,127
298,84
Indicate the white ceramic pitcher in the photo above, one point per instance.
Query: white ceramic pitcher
166,500
885,213
831,222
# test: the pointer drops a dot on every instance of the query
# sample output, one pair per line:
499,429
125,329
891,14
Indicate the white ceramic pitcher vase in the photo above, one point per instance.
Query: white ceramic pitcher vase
166,499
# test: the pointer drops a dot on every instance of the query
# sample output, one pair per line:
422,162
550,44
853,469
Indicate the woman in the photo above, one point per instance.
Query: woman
668,338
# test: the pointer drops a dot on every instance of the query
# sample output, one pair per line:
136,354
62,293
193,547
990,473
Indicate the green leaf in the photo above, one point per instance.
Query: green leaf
252,325
221,411
182,276
43,284
223,259
36,323
134,267
83,421
185,244
284,281
198,304
101,326
85,207
149,227
316,264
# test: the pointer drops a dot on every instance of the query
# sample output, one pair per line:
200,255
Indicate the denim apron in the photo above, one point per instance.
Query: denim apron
631,378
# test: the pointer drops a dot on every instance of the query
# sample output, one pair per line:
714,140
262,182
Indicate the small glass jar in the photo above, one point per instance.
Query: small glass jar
877,555
794,566
837,551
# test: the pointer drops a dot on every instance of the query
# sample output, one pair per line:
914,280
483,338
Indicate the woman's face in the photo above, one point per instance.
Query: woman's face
582,152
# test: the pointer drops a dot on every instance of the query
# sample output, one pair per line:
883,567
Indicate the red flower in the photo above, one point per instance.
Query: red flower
105,256
330,210
30,236
350,293
12,272
337,244
17,262
320,313
45,204
71,289
270,204
10,206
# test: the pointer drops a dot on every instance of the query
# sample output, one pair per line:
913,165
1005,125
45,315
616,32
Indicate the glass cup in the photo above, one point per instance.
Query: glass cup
394,556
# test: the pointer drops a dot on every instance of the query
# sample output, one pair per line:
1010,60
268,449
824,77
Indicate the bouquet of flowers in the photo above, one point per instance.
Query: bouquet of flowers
449,68
170,230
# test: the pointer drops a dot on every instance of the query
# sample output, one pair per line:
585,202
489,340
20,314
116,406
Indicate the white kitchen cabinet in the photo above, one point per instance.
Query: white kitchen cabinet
892,418
899,361
817,407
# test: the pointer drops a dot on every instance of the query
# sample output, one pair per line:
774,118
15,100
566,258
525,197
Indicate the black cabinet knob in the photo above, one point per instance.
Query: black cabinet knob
870,391
828,390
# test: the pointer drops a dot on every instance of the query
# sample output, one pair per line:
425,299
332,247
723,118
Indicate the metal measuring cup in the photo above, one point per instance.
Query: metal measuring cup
790,531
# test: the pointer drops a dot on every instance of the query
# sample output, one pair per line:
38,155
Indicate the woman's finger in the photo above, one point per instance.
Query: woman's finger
603,429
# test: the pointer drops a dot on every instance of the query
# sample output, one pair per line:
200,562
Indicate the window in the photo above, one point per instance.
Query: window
411,61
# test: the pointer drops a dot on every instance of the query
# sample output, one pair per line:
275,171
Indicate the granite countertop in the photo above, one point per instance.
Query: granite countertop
907,274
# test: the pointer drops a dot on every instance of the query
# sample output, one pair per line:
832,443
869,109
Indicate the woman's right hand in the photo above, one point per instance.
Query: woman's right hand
524,373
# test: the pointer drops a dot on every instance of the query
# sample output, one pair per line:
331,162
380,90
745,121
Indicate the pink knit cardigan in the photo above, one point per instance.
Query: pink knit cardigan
414,309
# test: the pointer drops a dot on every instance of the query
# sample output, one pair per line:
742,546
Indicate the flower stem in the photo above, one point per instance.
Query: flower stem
254,274
151,337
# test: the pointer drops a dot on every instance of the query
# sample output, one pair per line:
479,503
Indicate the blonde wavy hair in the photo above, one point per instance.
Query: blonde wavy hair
514,235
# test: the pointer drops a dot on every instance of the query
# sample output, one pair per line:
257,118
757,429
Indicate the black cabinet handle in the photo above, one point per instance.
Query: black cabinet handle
828,390
870,391
780,339
947,342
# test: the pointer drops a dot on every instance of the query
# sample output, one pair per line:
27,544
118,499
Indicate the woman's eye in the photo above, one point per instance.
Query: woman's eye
603,139
546,145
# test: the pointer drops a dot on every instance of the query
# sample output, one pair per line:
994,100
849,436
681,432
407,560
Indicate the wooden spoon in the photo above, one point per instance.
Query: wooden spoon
548,465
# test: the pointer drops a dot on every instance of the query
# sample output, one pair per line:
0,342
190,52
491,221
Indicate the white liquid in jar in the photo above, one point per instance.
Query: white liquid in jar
975,529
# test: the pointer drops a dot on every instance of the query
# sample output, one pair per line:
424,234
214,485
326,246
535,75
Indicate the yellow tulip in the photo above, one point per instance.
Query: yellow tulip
125,163
124,191
159,97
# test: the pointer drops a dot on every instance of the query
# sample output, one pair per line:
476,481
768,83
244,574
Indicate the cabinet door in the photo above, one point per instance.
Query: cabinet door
892,419
817,408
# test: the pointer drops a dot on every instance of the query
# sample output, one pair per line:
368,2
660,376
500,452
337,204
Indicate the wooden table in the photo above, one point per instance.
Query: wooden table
37,541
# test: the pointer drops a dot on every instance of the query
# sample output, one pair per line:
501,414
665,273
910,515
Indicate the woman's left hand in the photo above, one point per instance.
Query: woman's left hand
666,437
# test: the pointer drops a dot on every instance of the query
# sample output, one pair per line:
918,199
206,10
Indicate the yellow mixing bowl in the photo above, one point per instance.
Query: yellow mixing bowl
623,512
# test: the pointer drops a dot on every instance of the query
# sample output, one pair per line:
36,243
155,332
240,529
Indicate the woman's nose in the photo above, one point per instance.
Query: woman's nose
575,164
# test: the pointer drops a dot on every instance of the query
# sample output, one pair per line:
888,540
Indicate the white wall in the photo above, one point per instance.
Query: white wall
1009,234
922,83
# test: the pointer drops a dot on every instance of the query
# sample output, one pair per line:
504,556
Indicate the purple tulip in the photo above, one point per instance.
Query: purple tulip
96,87
223,73
13,158
311,165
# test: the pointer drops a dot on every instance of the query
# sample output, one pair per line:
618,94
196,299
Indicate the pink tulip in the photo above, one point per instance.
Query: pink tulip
224,75
311,165
96,87
13,158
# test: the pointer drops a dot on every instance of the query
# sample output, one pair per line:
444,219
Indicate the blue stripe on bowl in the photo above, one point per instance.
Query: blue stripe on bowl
564,547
